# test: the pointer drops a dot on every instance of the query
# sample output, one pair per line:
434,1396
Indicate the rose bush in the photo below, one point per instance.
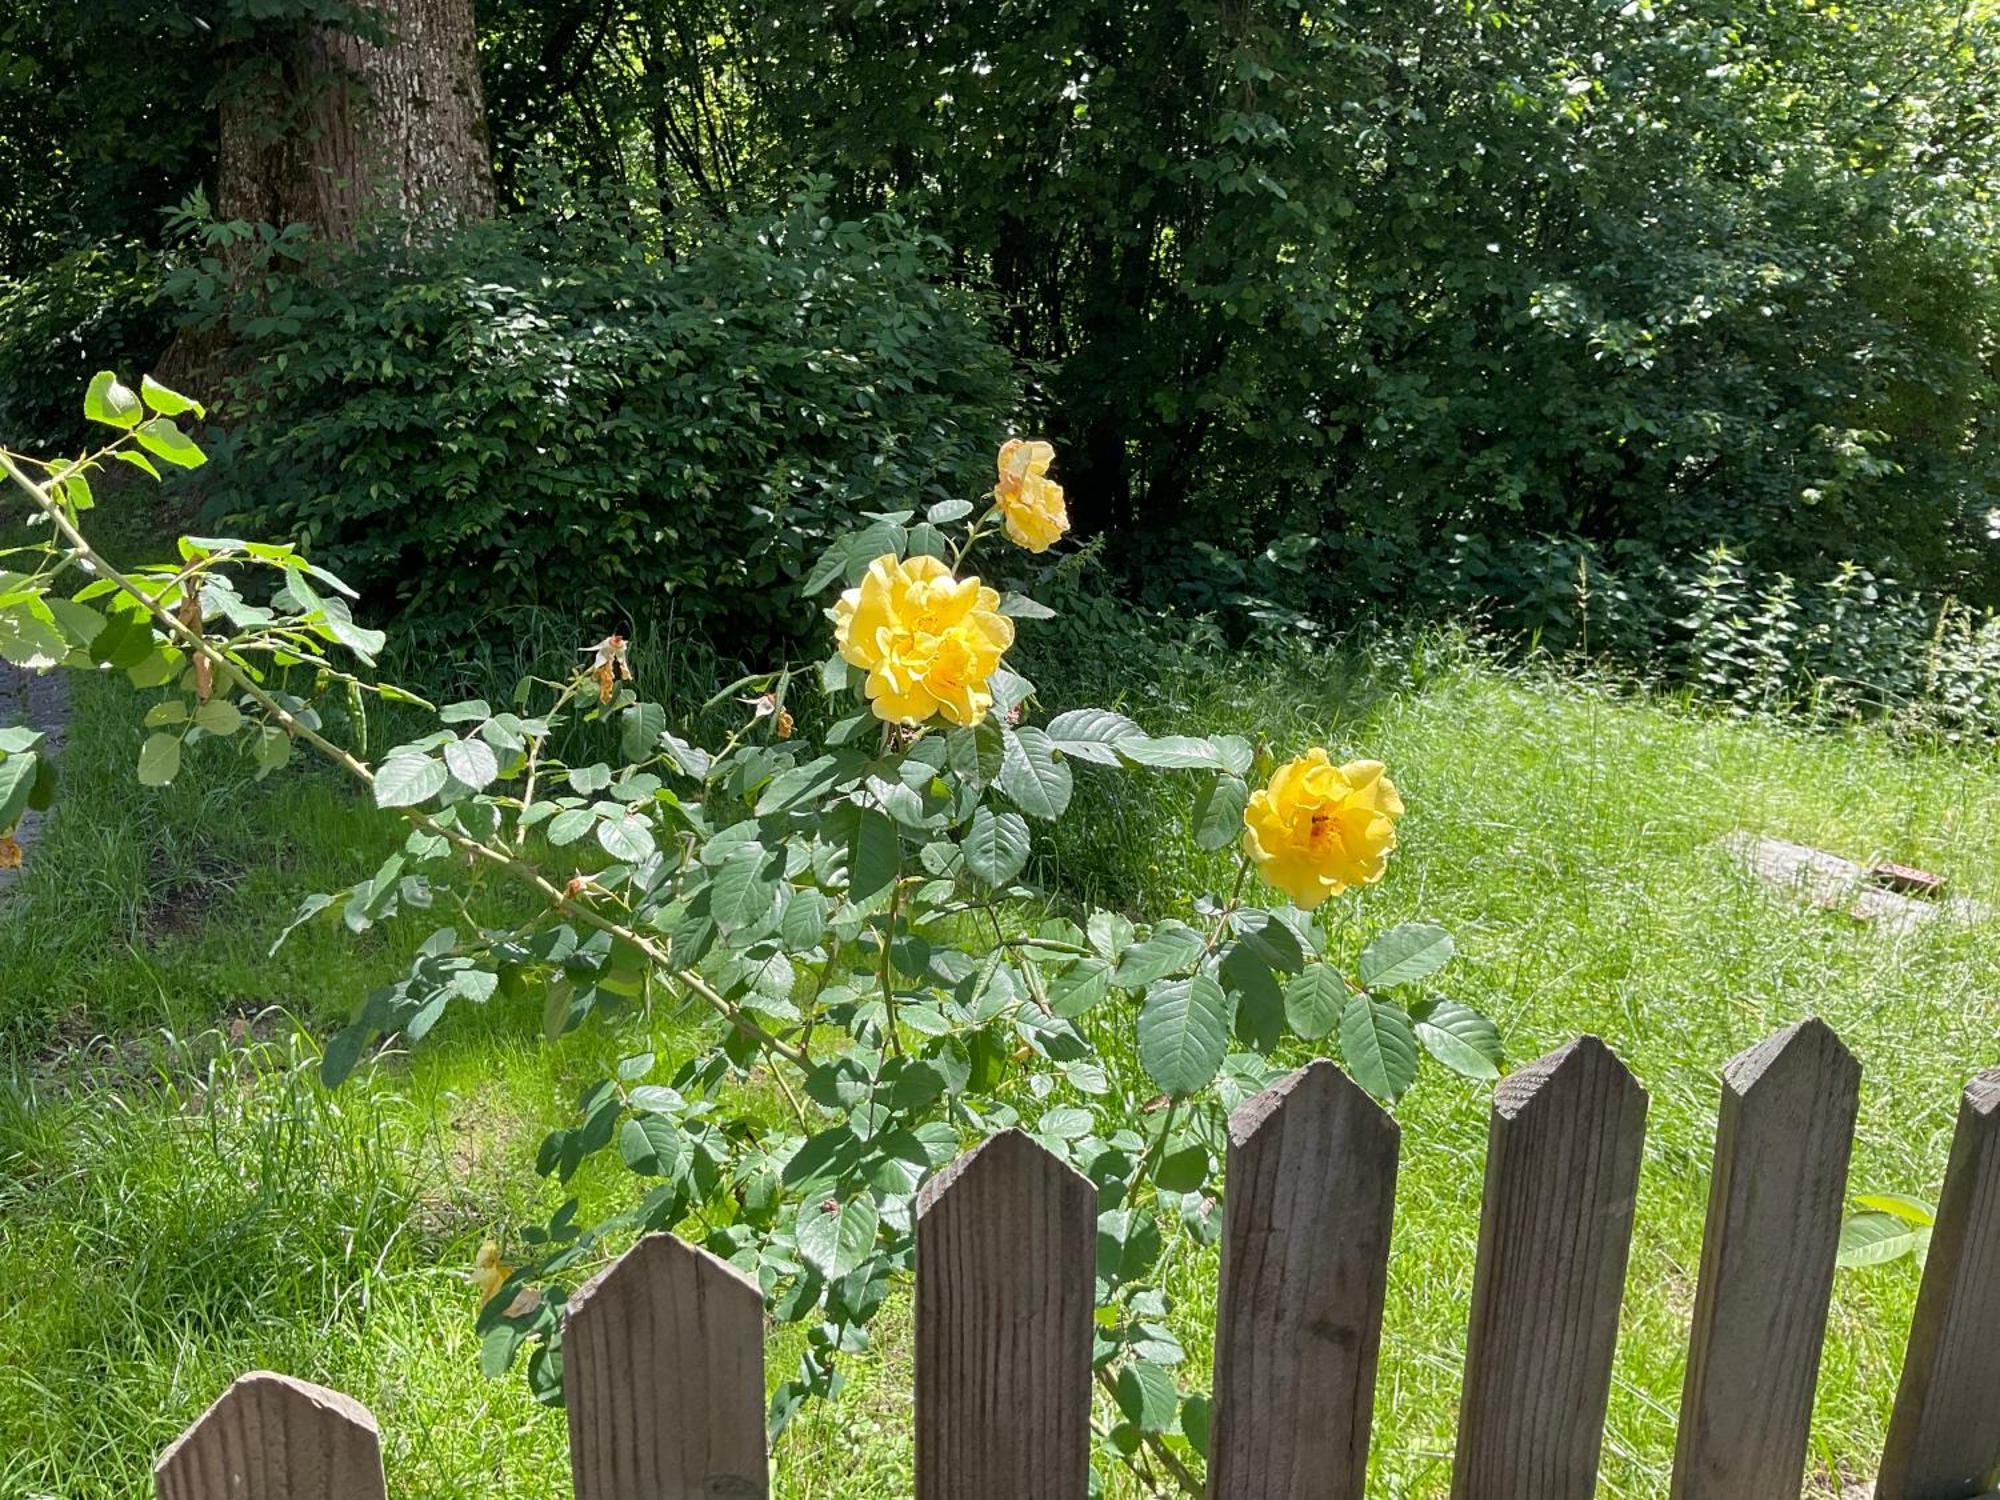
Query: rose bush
838,899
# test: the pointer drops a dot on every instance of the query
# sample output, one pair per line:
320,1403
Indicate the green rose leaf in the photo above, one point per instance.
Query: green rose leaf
1172,947
1379,1045
1032,774
1218,811
1184,1033
1172,752
874,855
627,836
1147,1396
651,1146
1405,954
745,887
472,763
996,846
219,717
835,1238
1090,734
1459,1037
1314,1000
406,780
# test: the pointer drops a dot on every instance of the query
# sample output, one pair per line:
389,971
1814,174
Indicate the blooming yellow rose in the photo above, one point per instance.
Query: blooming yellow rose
928,641
1318,828
1031,504
487,1273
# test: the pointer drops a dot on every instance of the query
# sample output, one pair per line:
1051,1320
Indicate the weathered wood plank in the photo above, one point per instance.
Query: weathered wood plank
1310,1193
269,1437
663,1374
1006,1267
1767,1257
1944,1436
1562,1174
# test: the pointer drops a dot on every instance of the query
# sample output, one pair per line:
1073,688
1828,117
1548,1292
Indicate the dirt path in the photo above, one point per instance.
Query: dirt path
40,701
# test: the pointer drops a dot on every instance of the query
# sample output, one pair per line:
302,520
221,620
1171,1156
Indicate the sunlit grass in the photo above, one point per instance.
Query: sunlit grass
174,1215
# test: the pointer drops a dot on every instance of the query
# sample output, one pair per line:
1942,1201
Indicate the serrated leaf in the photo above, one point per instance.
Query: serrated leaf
1379,1046
1172,947
1218,811
1147,1396
1405,954
946,511
1171,752
1184,1033
745,887
1090,734
640,726
1461,1038
874,855
472,763
835,1238
996,846
1032,776
1082,986
406,780
1314,1001
651,1146
626,836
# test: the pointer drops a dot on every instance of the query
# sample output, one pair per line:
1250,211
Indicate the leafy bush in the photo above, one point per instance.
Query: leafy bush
542,413
90,308
845,893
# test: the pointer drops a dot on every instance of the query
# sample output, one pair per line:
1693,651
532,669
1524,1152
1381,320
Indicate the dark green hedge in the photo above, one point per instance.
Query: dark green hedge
541,415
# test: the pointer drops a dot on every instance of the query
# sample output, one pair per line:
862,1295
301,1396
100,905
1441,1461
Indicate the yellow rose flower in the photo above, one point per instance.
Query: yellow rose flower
1318,828
487,1273
1031,504
928,641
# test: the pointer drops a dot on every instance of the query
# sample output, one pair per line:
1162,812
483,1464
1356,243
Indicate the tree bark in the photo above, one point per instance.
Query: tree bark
329,127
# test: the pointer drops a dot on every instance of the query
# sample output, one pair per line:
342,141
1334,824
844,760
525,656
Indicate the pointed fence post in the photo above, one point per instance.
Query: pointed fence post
663,1375
1006,1279
1944,1436
1774,1206
1555,1228
1310,1193
269,1437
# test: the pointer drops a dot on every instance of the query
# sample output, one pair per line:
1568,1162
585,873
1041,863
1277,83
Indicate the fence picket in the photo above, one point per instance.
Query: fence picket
1006,1268
663,1375
1562,1175
269,1437
1781,1147
1310,1191
1944,1436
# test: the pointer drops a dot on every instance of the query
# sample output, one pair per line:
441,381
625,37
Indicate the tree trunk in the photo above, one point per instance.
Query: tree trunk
329,126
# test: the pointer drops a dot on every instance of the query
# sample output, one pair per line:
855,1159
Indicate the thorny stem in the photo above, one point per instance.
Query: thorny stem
526,874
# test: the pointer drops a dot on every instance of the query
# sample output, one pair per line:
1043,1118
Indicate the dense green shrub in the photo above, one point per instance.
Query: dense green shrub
539,414
62,322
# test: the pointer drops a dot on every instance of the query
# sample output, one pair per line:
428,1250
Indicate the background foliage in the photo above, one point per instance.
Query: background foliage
539,411
1438,303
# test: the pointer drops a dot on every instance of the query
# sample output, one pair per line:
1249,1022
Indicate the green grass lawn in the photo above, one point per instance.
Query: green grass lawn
180,1201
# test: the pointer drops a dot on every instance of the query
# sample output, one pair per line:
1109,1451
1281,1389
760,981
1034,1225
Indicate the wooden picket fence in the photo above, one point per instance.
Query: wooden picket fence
663,1356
